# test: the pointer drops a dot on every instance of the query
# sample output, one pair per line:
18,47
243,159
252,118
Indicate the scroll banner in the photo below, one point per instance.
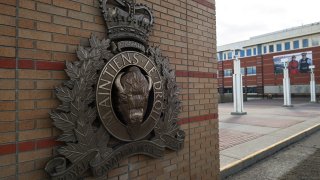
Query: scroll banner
58,171
298,62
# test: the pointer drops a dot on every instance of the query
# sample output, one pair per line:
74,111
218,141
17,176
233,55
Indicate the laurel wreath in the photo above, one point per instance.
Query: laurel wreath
77,117
168,123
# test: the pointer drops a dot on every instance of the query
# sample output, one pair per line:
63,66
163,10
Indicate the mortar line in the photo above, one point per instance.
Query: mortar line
187,39
17,87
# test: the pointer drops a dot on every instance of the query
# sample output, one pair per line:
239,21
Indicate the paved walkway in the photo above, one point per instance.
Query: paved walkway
299,161
266,128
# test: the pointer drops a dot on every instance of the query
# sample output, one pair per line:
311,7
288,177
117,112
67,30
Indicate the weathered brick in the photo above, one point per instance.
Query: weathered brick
93,26
7,159
34,54
7,95
51,9
7,20
31,94
33,155
28,4
29,14
7,41
31,34
7,126
118,171
26,104
7,73
67,4
26,23
45,1
26,166
34,74
7,83
49,27
37,174
90,10
34,134
51,46
8,10
80,15
7,30
79,32
25,43
26,125
66,39
26,84
66,21
7,137
47,84
58,56
6,171
7,105
44,123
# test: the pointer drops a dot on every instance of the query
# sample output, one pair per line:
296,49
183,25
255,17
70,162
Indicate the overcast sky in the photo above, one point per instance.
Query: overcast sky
239,20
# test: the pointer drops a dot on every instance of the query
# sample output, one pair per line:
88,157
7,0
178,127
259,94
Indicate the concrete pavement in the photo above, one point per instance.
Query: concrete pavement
298,161
267,128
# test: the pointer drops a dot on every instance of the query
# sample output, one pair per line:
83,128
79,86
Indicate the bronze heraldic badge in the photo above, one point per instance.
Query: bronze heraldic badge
121,99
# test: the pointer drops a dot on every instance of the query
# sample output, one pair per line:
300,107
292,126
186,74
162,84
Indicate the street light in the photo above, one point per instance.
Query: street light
312,85
237,86
286,84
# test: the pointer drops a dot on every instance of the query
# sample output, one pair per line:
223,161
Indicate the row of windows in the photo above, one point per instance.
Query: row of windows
252,70
277,47
245,90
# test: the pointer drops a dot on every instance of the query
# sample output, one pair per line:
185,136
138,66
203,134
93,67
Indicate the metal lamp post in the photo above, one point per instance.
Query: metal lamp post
312,85
237,88
286,84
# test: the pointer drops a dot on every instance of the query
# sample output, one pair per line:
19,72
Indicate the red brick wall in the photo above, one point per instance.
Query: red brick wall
38,36
265,70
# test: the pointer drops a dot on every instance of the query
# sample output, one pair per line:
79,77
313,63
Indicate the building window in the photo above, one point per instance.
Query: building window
220,56
279,47
242,53
296,44
249,52
251,90
264,49
305,43
227,72
224,56
227,90
259,49
229,55
271,48
315,41
287,45
242,71
251,70
254,51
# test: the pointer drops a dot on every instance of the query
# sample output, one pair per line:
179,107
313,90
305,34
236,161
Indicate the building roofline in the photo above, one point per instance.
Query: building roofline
288,33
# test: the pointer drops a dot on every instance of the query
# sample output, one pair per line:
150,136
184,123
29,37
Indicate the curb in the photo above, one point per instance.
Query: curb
268,151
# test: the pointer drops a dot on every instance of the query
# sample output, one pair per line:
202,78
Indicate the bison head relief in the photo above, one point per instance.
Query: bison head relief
133,89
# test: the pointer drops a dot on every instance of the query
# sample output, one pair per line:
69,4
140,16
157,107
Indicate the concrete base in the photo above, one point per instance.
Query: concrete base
287,105
314,102
238,113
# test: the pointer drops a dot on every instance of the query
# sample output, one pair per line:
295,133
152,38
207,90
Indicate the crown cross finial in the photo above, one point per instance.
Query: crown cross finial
133,8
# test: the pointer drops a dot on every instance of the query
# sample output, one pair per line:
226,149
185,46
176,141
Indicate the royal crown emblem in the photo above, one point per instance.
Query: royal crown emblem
127,21
121,98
